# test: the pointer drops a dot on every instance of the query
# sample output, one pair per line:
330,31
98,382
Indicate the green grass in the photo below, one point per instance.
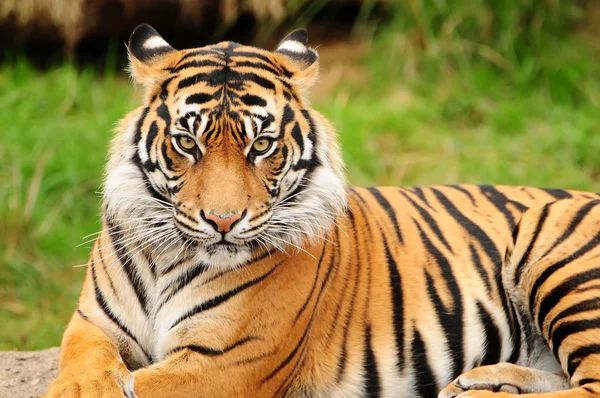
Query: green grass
428,104
55,128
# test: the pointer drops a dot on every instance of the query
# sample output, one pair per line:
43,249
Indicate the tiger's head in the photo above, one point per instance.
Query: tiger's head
225,155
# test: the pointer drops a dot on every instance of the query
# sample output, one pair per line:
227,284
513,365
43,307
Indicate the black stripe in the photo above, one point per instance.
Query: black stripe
261,81
525,258
220,299
492,337
138,127
202,52
578,308
577,219
343,360
136,158
574,359
249,264
199,98
253,100
173,265
372,386
181,282
129,267
385,205
333,264
108,277
562,290
342,299
419,192
286,118
258,65
425,381
152,134
288,358
351,310
501,291
169,165
108,312
487,244
476,260
244,52
515,232
515,334
500,201
292,375
212,352
151,264
567,329
199,63
464,191
452,321
548,272
557,193
397,303
587,288
298,137
314,285
429,220
162,111
213,78
81,314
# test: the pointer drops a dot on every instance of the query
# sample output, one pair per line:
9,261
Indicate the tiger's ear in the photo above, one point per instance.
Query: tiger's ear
151,57
301,60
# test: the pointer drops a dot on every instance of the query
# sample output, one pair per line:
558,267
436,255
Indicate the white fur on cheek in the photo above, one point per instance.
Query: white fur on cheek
322,198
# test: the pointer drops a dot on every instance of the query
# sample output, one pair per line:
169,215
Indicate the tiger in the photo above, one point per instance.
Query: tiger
235,261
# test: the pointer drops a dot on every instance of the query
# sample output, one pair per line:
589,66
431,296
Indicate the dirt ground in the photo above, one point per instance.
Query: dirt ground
27,374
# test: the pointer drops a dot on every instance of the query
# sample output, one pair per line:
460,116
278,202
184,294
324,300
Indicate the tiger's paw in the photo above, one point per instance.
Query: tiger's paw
485,394
483,381
91,385
463,388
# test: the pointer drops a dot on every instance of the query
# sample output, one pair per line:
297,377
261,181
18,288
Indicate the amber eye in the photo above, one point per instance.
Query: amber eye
262,145
185,142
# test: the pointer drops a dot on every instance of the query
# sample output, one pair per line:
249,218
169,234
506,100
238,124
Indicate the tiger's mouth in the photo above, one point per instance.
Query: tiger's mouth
223,246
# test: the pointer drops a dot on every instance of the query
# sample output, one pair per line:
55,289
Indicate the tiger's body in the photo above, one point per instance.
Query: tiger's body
353,292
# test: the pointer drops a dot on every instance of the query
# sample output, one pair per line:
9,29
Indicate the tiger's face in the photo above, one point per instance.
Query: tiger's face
225,156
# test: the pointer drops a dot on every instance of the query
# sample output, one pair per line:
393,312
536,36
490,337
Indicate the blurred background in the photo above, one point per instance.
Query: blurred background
421,91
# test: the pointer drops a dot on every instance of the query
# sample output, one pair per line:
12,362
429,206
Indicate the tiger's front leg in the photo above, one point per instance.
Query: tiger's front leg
90,364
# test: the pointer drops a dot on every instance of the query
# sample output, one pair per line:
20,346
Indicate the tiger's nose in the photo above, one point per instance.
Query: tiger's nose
221,223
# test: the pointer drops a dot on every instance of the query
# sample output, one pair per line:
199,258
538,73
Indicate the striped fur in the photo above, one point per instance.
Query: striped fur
224,272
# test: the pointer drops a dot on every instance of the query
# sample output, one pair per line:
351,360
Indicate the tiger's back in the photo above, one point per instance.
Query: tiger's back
445,310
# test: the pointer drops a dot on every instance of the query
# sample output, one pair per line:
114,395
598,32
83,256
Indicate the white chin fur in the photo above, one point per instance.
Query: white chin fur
222,258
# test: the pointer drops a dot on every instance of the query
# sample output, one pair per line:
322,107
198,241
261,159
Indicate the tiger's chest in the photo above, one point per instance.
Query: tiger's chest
186,312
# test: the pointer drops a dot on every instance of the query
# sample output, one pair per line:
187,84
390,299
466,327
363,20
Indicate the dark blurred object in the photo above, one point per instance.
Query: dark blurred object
65,23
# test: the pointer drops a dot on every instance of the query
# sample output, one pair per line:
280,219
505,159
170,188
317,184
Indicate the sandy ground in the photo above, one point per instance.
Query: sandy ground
27,374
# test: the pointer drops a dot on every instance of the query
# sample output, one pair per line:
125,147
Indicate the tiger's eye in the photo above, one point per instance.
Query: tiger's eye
186,142
262,145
